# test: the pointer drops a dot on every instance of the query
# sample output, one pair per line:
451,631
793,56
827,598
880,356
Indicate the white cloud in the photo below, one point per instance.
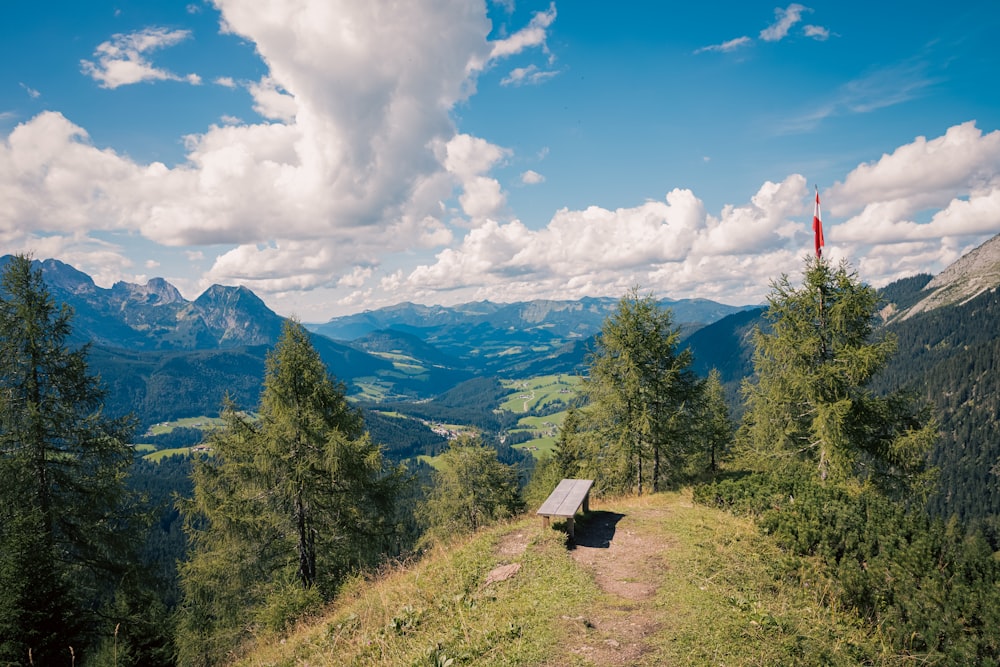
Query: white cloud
663,245
923,174
469,158
817,32
725,47
527,75
532,177
121,61
675,247
225,81
32,93
272,102
785,19
534,34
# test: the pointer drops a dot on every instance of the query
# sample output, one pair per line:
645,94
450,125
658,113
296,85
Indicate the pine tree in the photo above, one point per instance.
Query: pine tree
471,489
291,501
642,395
714,427
64,535
810,401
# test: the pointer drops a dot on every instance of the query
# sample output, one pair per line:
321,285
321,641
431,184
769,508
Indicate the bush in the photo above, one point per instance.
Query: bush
930,587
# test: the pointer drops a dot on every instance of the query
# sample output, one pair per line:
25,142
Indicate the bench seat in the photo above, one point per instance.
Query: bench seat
565,500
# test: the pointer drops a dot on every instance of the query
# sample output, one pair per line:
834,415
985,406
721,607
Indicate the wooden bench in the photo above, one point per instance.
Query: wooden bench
565,501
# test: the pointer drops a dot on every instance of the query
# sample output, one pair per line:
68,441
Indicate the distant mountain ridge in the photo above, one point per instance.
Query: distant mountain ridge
565,318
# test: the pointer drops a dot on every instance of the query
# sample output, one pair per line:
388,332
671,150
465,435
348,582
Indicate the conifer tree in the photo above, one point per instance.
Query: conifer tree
64,537
291,501
471,489
642,395
714,427
810,400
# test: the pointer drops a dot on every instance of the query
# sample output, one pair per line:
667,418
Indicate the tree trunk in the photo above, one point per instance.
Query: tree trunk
307,544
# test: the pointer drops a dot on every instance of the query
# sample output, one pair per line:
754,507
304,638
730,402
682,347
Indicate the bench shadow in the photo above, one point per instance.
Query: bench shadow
596,530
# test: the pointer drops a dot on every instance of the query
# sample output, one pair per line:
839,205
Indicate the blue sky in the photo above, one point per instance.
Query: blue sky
338,156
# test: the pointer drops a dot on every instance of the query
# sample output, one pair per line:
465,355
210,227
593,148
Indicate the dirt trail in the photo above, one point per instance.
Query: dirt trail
627,564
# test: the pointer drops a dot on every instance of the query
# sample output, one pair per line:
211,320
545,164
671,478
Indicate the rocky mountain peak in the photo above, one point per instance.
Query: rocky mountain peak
155,292
970,276
67,278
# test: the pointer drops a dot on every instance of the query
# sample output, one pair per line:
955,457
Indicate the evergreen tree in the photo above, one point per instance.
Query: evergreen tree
642,395
714,427
810,401
290,502
64,530
471,489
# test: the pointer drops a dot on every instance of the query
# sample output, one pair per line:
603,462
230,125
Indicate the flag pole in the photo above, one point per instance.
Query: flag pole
819,242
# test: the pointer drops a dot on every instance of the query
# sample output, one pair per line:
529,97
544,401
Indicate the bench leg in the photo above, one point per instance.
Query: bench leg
545,522
569,528
586,503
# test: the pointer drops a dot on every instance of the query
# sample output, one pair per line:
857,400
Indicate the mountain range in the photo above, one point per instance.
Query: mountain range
162,356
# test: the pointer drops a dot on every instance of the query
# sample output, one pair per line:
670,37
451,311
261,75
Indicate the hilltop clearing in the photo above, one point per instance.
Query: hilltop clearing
655,580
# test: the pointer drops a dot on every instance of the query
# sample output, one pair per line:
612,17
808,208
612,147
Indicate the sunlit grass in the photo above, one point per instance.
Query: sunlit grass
202,422
441,608
532,393
164,453
720,599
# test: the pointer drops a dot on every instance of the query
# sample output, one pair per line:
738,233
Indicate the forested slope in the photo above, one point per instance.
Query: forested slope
950,357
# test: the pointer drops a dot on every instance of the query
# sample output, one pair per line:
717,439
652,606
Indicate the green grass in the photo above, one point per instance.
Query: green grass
371,389
202,422
533,393
715,596
432,461
546,430
164,453
144,447
441,608
538,447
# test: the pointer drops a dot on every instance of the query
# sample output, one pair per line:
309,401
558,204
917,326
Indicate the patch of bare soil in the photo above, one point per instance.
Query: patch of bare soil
627,564
513,544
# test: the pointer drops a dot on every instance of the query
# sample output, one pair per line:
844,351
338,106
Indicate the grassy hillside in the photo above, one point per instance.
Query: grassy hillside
652,581
544,400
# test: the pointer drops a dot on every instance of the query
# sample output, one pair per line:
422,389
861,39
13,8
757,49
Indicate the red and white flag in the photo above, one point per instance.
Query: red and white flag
818,227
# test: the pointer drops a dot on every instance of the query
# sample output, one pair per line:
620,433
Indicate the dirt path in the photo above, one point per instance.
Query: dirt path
627,564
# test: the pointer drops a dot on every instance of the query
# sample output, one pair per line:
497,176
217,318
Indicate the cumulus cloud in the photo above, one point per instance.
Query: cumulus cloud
122,60
926,173
349,165
954,179
663,245
532,177
676,247
784,20
469,158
